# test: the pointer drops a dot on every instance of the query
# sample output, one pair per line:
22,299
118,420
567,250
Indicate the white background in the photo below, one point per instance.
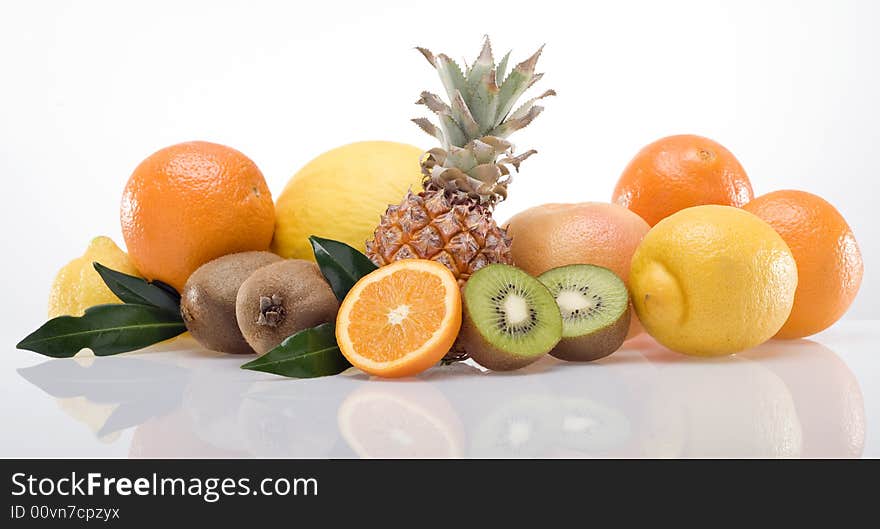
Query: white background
88,89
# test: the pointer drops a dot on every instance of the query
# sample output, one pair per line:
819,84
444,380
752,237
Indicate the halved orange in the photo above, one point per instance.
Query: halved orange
400,319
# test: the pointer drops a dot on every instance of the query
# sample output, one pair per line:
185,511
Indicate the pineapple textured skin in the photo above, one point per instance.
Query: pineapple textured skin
431,225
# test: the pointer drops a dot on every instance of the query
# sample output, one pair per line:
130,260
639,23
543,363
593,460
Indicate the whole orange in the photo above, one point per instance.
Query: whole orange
598,233
828,259
190,203
678,172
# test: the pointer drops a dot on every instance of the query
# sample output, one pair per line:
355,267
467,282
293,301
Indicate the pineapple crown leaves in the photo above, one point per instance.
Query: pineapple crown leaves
480,103
474,124
478,170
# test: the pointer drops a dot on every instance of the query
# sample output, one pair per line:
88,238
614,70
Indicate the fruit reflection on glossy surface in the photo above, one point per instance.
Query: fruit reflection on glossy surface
412,419
782,399
725,407
93,415
174,436
288,420
588,414
110,394
826,394
211,402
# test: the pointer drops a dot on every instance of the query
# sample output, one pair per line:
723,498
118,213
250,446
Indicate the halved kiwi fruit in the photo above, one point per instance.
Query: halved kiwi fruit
509,320
594,304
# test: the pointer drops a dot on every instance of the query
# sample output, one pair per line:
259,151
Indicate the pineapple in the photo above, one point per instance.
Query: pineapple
450,220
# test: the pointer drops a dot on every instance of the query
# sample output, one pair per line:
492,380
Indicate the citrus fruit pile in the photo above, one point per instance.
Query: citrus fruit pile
382,256
710,279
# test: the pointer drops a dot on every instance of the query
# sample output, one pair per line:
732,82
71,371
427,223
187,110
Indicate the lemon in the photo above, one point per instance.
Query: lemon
712,280
342,193
78,286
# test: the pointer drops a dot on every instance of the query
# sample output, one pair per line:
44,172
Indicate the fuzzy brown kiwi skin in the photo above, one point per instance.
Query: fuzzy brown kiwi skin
207,303
483,352
596,345
282,299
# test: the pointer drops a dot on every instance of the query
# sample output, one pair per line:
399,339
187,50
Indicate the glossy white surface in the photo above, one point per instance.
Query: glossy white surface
815,398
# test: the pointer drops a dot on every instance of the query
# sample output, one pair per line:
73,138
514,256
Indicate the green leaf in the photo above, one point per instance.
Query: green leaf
105,329
514,87
463,117
307,354
430,128
450,75
484,103
452,132
137,291
501,69
135,388
519,80
341,264
481,67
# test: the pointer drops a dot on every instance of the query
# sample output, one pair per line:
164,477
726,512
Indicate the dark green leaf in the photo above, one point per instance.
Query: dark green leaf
307,354
341,264
170,290
106,330
138,291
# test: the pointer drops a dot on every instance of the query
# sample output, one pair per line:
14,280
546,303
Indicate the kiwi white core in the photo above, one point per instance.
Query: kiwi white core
570,301
516,309
398,314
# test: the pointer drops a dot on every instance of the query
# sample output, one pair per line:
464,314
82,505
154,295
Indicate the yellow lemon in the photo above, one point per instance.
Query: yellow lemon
712,280
78,286
342,193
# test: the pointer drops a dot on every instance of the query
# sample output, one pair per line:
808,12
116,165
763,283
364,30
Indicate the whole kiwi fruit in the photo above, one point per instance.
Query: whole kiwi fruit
207,303
282,299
